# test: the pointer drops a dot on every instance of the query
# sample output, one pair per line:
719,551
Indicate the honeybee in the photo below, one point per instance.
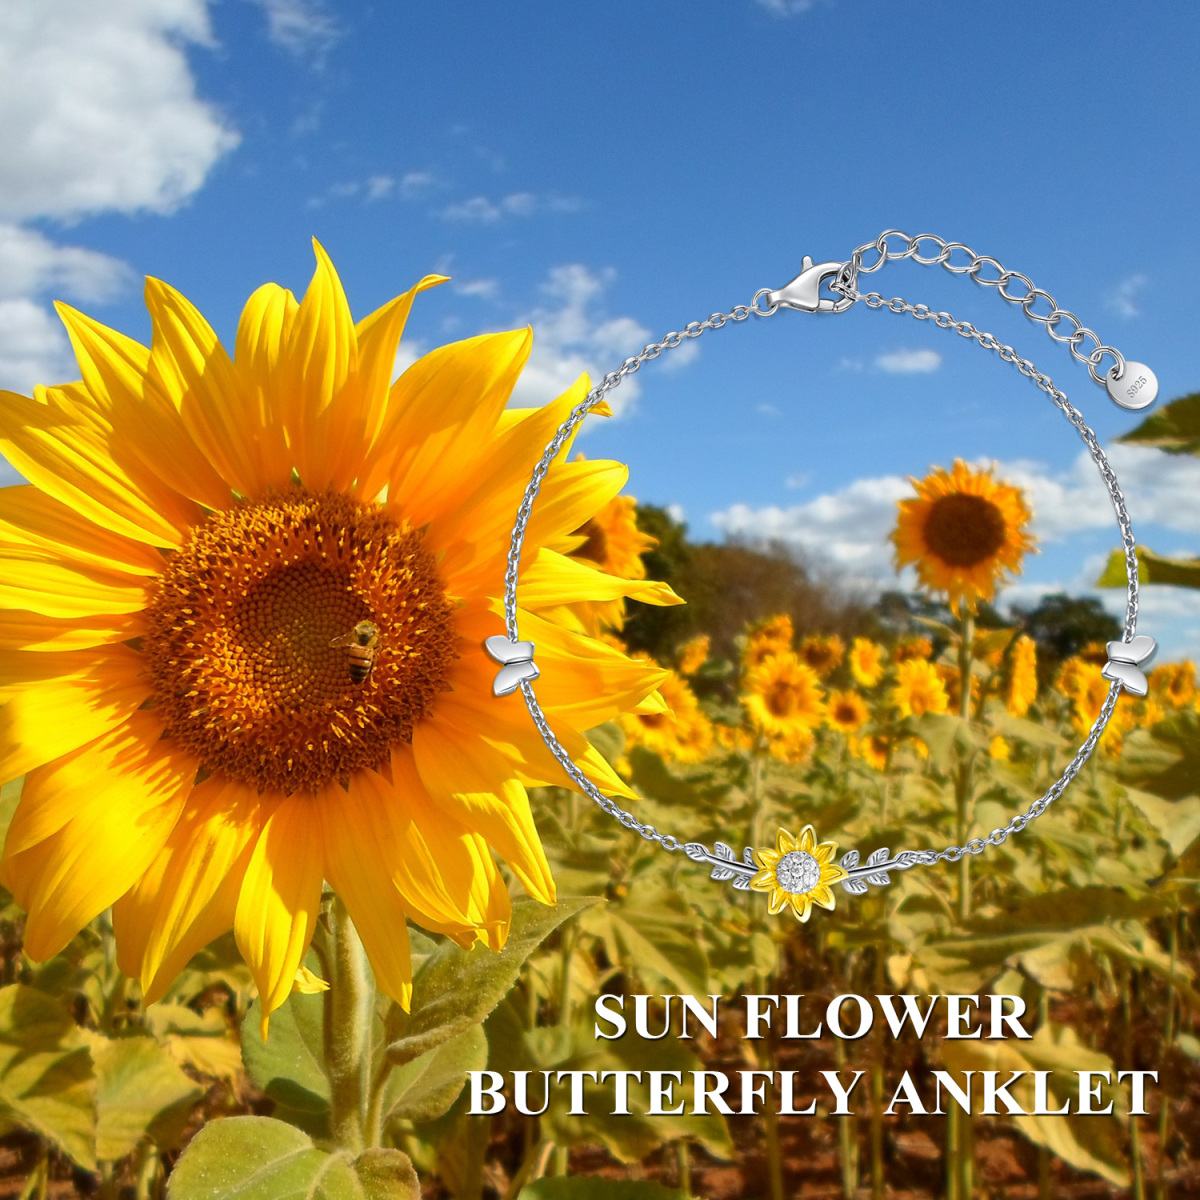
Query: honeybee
362,642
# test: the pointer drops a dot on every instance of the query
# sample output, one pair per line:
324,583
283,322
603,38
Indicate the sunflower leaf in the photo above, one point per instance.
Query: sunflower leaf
424,1089
456,989
259,1158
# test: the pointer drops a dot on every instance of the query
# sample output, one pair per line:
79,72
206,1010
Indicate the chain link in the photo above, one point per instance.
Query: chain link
846,284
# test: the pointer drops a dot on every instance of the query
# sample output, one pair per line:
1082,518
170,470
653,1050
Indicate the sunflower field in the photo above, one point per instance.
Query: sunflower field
266,913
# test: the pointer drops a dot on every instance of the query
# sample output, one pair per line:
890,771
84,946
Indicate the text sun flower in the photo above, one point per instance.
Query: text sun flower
196,531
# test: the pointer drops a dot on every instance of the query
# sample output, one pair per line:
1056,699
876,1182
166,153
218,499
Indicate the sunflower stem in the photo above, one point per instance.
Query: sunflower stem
348,1006
962,782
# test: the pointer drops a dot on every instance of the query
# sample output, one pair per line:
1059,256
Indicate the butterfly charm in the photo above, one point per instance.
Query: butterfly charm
518,667
1125,661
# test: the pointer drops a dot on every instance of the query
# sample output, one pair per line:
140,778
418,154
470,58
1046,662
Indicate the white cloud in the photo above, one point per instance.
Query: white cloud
572,334
786,8
479,210
414,184
485,289
1123,299
676,513
909,362
304,28
100,115
100,108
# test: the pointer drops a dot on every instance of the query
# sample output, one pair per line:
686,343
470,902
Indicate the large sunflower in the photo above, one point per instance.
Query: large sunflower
197,533
783,694
964,531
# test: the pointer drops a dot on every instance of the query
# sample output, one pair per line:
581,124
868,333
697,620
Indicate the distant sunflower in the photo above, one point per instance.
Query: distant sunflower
772,637
1174,684
693,654
1022,676
823,654
681,733
795,746
919,689
866,662
999,749
874,749
198,532
964,531
611,542
783,693
911,647
798,873
847,711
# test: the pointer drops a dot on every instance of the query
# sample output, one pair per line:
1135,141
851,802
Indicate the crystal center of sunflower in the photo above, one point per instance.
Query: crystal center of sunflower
964,530
798,872
241,632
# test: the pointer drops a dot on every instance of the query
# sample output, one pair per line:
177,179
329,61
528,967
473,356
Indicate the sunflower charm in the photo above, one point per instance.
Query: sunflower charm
798,872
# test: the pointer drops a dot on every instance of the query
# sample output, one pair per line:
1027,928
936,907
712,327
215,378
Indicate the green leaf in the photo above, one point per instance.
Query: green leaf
259,1158
456,988
584,1187
1165,760
1175,427
47,1083
1152,568
949,738
1019,729
289,1065
424,1089
139,1092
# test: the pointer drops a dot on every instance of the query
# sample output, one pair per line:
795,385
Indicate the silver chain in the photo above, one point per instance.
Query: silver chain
845,283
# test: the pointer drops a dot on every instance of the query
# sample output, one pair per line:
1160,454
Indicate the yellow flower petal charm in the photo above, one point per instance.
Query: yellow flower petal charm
243,610
798,873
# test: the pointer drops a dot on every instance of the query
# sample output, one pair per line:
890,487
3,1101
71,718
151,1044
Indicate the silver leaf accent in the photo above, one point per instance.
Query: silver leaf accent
723,851
722,873
748,858
879,879
742,883
850,859
880,856
855,887
696,851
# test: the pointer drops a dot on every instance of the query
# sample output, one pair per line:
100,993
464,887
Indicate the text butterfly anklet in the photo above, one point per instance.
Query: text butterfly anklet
800,865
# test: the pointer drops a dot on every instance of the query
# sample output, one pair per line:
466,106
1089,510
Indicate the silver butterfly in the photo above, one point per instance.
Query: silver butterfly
1125,661
518,667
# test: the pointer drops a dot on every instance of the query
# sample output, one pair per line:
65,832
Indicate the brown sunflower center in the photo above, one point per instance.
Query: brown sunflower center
782,698
240,632
964,530
595,546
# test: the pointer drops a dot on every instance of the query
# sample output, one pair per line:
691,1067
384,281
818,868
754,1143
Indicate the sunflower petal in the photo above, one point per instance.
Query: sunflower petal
808,839
188,895
822,895
21,629
61,452
280,898
88,826
358,870
784,842
474,784
552,579
189,365
45,720
264,327
32,579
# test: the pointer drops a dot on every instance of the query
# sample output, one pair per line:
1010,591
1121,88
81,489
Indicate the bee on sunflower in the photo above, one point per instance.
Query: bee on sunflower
200,536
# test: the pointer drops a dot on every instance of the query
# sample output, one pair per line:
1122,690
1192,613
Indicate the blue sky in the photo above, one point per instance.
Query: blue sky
611,172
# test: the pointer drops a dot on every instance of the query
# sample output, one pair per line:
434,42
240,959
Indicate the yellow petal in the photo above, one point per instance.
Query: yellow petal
31,579
357,869
441,411
188,896
190,366
57,449
143,426
808,839
19,668
552,579
319,399
21,629
823,896
474,784
45,720
825,852
778,901
784,842
764,879
31,517
280,899
802,907
308,984
87,827
264,327
378,336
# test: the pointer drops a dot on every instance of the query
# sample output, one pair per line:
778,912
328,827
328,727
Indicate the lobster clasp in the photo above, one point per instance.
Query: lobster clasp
804,292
